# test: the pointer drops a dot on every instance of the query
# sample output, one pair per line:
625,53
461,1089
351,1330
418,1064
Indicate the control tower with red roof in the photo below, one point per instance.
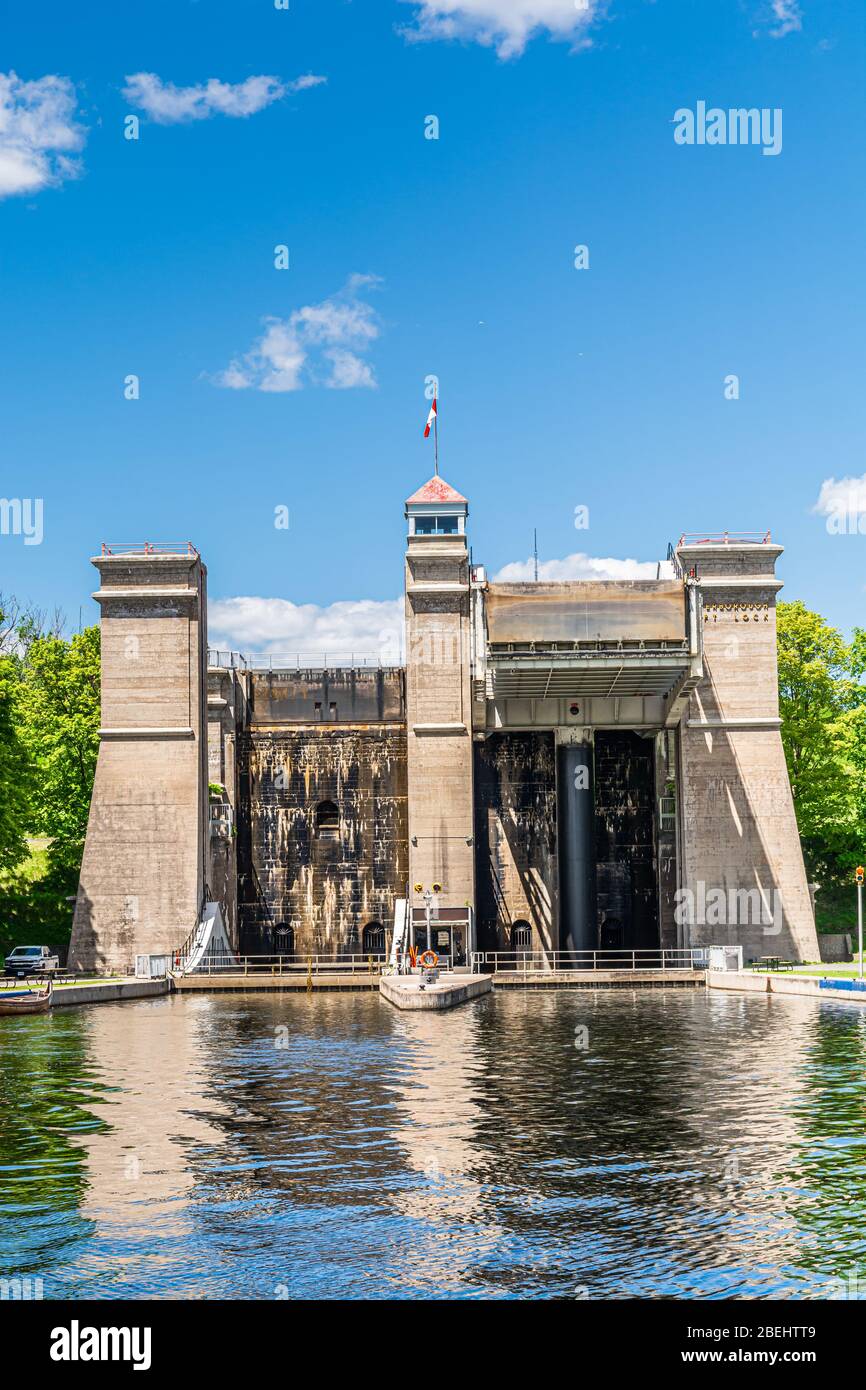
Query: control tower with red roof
439,710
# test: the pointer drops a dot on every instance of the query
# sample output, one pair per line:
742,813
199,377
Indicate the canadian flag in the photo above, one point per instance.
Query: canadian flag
430,418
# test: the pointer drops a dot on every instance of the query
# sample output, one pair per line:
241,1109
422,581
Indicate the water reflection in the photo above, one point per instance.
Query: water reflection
601,1145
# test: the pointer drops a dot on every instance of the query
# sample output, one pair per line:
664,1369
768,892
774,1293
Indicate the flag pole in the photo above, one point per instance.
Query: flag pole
436,440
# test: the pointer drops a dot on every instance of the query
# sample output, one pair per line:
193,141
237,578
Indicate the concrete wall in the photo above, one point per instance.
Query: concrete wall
738,828
357,695
327,885
838,992
835,946
143,871
515,839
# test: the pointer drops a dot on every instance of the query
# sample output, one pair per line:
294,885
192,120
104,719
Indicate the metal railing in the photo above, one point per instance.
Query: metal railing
150,548
300,661
724,538
275,965
673,560
540,962
221,819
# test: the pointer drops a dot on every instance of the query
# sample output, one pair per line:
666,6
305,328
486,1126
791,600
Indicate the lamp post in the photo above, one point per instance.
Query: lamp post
858,876
428,895
428,899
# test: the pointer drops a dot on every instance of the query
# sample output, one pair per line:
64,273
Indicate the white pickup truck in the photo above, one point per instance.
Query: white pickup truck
31,960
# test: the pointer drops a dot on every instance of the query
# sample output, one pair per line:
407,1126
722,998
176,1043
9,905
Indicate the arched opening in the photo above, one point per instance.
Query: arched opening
327,819
284,939
374,939
521,935
611,934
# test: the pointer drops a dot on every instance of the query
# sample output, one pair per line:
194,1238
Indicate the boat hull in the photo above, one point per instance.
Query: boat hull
31,1001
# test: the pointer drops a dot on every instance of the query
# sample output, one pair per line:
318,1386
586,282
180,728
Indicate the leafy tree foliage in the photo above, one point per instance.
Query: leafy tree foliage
49,736
14,771
60,728
822,701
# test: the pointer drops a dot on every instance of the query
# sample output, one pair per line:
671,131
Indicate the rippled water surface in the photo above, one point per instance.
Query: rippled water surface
253,1146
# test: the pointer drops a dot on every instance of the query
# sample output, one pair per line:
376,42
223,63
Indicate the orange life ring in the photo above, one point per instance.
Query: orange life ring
428,959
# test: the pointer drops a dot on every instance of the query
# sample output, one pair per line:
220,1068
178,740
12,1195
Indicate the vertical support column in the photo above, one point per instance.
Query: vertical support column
743,878
143,872
226,715
576,840
439,699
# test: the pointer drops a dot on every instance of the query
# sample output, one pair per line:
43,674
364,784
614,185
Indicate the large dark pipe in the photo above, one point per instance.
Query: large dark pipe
576,847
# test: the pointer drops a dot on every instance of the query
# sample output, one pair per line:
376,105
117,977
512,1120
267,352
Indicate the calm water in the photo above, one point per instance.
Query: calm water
698,1146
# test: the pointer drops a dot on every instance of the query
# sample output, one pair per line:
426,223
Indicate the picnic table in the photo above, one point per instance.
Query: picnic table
771,963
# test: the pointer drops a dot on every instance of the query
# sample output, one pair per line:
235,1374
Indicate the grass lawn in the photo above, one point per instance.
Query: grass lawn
850,972
34,902
97,980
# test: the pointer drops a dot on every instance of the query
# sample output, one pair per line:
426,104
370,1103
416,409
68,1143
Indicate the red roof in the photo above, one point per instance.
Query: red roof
436,490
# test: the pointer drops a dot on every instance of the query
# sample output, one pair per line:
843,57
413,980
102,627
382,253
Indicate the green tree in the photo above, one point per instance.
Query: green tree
14,771
823,710
60,729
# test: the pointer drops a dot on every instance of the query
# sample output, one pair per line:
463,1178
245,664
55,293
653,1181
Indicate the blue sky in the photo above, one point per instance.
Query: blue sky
411,256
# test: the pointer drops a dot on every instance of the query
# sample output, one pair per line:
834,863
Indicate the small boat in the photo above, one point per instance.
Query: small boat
26,1001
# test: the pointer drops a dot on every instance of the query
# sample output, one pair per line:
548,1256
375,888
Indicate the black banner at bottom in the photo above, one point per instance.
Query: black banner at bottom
80,1339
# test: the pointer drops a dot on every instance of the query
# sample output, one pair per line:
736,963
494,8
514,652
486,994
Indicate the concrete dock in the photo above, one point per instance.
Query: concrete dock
298,982
104,991
599,979
817,986
411,992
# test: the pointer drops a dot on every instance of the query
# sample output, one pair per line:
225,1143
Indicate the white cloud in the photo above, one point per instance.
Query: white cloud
168,104
274,626
506,25
319,344
847,497
38,135
348,370
788,18
578,566
303,84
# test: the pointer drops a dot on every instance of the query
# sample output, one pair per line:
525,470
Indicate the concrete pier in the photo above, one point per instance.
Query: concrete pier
107,991
599,979
410,991
296,983
817,986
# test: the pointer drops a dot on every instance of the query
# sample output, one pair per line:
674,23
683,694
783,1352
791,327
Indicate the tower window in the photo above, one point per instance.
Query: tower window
327,819
437,525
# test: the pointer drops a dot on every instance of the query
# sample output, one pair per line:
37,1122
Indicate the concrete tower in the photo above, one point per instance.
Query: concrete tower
439,697
742,860
143,873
